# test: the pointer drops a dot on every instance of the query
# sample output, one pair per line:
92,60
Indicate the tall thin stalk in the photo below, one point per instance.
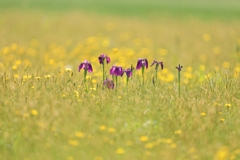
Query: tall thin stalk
143,74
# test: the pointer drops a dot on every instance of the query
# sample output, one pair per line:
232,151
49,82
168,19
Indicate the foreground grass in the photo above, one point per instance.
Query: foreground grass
46,113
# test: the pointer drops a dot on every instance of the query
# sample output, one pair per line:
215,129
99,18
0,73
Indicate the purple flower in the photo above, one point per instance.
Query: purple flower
157,64
128,72
179,67
102,57
86,66
142,62
108,83
116,71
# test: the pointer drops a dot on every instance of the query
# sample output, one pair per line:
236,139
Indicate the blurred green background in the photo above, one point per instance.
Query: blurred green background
207,9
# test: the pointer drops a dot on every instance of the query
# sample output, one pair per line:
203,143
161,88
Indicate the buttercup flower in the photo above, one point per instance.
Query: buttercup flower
157,64
116,71
142,62
102,57
86,66
108,83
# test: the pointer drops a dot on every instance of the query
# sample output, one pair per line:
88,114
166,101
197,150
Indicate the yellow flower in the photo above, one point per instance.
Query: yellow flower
222,119
206,37
73,142
80,134
149,145
111,130
168,141
226,64
16,76
34,112
144,138
191,150
120,151
98,158
203,114
14,67
228,105
174,145
119,97
102,127
222,154
178,132
189,69
202,67
94,81
6,50
25,115
68,69
147,153
163,52
216,50
47,76
70,158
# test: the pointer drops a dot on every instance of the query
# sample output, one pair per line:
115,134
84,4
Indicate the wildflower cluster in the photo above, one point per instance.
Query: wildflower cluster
117,71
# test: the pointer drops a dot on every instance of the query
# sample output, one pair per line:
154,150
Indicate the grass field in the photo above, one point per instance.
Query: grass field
46,112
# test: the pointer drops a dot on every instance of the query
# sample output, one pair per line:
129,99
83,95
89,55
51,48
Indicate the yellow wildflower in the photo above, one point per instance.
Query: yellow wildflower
73,142
174,145
178,132
98,158
228,105
102,127
144,138
80,134
120,151
149,145
47,76
222,119
111,130
222,154
34,112
206,37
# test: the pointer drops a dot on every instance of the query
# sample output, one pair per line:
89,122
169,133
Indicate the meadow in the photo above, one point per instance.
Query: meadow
46,112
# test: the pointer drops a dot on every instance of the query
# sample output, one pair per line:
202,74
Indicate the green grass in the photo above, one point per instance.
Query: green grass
201,9
46,113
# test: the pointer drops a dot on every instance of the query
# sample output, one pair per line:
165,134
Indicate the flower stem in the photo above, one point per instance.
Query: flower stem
85,79
116,82
85,76
179,82
127,80
143,74
103,66
156,74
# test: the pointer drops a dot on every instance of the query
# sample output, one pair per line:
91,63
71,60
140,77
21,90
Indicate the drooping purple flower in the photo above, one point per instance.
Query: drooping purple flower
142,62
102,57
179,67
128,72
86,66
157,64
108,83
116,71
